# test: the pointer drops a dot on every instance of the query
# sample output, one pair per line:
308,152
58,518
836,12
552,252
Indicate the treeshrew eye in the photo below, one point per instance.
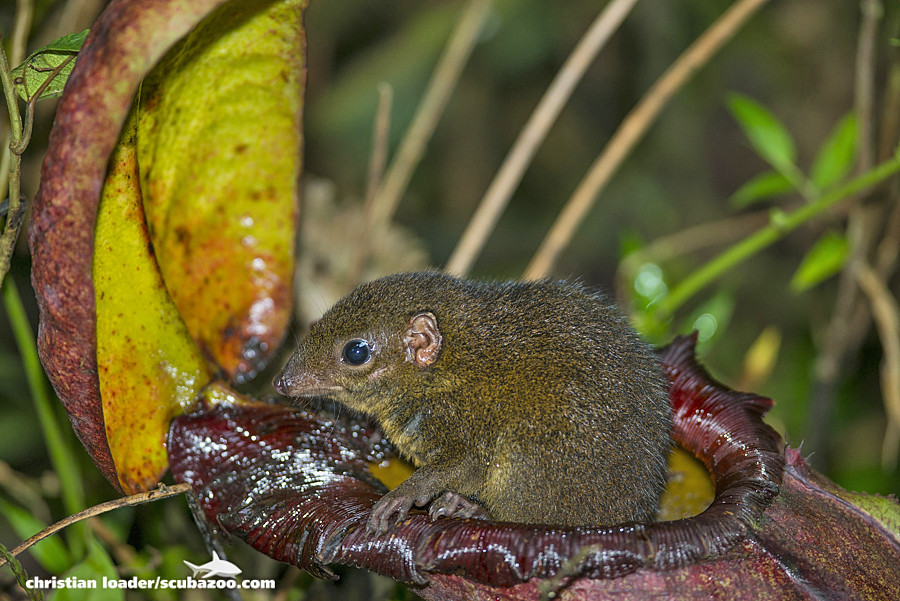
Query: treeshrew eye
357,352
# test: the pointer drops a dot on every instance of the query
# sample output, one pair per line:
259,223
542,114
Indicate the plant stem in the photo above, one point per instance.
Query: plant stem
693,239
162,492
778,227
443,82
11,229
886,315
510,173
21,29
632,130
20,146
61,455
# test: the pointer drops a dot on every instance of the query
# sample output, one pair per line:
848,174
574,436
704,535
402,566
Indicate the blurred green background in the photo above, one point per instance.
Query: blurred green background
796,57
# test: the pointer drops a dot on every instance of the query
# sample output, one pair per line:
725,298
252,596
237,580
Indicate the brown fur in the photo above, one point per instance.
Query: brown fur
534,400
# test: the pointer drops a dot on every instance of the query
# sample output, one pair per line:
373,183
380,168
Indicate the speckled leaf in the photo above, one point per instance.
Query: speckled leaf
296,486
149,368
219,148
49,67
127,39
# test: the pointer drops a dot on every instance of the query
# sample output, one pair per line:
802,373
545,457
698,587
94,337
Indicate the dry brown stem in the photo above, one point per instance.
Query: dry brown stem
163,492
633,129
21,27
381,133
381,130
690,240
442,83
887,321
850,317
532,136
10,159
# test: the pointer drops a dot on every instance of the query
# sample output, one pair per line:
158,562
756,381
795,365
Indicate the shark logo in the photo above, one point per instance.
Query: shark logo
216,567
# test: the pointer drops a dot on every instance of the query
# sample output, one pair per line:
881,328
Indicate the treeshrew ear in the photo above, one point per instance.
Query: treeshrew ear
422,339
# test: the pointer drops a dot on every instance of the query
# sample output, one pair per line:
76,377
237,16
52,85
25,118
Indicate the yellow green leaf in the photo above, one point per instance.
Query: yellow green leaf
824,259
763,186
219,148
760,359
835,158
768,136
148,365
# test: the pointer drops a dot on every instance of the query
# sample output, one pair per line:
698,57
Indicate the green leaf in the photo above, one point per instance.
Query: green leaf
836,155
55,60
767,135
630,242
51,553
712,316
763,186
823,260
93,568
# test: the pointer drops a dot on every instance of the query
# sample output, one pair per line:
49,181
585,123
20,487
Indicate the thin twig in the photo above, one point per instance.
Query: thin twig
533,134
862,223
886,315
381,135
163,492
442,83
74,16
632,130
692,239
773,232
864,85
889,131
14,218
21,29
11,230
19,140
890,115
24,490
551,587
889,245
10,174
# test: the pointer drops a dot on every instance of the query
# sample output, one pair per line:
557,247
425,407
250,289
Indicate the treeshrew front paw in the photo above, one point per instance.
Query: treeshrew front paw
395,503
454,505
